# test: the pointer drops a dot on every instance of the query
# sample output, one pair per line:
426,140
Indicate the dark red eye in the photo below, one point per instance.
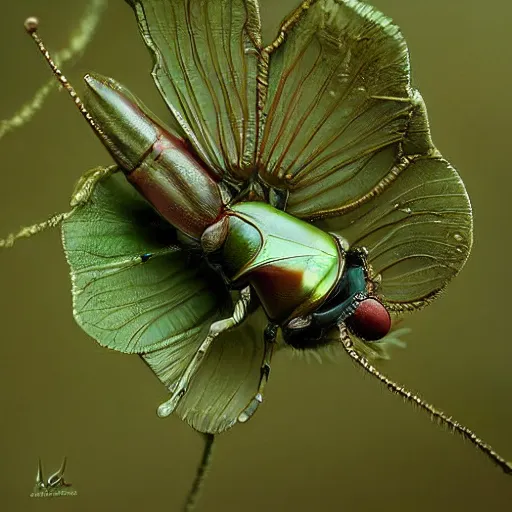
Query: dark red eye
370,321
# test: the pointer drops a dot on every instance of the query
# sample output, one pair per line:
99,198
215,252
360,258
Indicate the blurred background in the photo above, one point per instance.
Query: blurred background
328,437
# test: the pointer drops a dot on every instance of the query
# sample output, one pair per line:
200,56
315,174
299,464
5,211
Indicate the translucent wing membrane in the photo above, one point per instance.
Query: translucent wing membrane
375,352
134,290
227,378
206,56
418,230
338,105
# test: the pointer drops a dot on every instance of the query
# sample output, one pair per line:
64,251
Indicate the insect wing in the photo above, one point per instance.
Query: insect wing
338,105
134,290
419,229
226,381
349,138
206,56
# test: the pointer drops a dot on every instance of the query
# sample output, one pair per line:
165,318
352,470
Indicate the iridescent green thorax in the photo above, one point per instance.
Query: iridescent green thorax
290,264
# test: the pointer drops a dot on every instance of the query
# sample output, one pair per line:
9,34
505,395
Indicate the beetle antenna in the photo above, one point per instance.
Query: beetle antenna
81,195
29,231
31,26
440,416
80,38
202,471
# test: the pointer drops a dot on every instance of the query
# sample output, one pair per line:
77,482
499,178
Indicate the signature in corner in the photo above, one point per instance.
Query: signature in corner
54,486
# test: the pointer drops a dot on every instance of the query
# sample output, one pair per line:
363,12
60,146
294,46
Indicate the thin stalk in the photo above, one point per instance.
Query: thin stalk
202,470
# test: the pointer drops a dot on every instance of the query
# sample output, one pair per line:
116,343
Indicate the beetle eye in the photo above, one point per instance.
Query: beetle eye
370,321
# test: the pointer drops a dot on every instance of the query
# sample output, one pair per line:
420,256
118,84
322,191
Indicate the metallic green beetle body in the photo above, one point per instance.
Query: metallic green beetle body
291,265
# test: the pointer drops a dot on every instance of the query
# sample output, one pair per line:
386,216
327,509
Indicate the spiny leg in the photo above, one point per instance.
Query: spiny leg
270,336
440,416
87,183
180,387
28,231
80,196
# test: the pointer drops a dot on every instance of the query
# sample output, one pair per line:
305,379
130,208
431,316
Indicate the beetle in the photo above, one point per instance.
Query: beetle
299,177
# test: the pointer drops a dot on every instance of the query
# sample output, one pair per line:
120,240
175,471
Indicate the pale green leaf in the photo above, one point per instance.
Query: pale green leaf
418,231
338,105
123,302
226,381
206,58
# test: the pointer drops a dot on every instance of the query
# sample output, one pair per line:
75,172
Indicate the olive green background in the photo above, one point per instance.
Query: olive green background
328,437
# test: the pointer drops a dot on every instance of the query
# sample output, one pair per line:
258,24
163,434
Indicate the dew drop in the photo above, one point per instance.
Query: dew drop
243,417
164,410
458,238
332,94
406,210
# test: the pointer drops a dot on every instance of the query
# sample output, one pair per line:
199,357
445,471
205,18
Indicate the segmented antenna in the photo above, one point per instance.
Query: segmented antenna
31,26
436,414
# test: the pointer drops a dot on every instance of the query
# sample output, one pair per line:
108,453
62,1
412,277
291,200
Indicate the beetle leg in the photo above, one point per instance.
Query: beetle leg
82,36
28,231
87,183
179,388
270,336
81,195
278,198
435,414
392,98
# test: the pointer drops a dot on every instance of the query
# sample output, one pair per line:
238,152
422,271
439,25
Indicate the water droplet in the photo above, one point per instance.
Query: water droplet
406,210
458,238
243,417
397,205
332,94
164,410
